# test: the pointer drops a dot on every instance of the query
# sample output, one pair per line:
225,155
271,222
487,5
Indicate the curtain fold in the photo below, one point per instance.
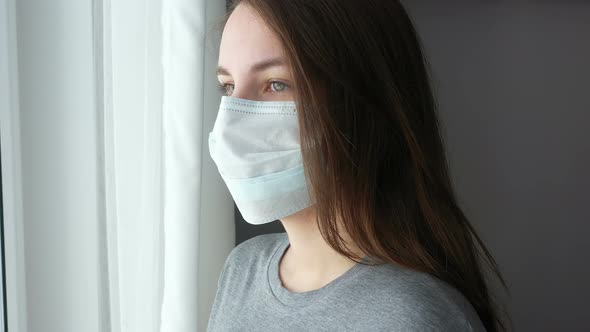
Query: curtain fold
133,158
194,195
169,217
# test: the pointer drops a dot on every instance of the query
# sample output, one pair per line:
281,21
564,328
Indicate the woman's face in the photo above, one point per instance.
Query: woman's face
252,63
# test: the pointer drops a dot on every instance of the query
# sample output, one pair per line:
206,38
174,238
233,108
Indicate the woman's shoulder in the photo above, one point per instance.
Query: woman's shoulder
426,302
256,249
262,240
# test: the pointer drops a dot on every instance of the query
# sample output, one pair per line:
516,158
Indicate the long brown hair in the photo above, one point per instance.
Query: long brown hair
371,144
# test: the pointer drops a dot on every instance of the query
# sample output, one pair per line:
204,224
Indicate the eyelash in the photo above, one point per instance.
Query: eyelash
223,87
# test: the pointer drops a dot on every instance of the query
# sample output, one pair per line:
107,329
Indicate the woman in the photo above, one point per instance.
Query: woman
328,123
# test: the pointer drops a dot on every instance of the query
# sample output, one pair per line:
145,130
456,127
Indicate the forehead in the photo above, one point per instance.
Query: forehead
247,35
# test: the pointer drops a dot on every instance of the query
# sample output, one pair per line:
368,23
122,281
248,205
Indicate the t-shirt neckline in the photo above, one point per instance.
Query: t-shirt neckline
301,299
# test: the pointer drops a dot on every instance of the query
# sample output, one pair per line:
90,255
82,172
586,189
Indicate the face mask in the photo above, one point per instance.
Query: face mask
255,145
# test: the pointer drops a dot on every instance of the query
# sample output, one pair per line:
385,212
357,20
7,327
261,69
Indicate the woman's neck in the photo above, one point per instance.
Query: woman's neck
309,262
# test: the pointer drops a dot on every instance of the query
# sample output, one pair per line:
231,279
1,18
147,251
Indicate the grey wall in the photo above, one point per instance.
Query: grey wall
513,83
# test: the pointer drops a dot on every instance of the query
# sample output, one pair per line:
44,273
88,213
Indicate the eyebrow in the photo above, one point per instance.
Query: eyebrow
260,66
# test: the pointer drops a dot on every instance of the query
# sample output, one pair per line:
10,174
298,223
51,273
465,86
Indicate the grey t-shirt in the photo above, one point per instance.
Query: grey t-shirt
251,297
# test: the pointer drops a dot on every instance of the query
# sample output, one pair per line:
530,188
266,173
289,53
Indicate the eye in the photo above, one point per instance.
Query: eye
226,88
278,86
275,86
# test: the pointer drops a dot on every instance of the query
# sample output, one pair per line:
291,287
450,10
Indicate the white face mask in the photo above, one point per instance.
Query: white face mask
255,145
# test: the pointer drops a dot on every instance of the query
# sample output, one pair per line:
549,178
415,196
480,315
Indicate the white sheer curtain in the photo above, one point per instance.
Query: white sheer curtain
169,216
198,214
116,217
133,164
